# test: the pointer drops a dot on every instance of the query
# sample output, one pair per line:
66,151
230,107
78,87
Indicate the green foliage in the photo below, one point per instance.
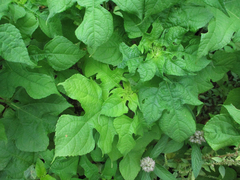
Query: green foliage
119,89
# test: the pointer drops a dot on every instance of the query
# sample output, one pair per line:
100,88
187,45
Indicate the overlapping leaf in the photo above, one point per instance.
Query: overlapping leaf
12,47
37,85
62,53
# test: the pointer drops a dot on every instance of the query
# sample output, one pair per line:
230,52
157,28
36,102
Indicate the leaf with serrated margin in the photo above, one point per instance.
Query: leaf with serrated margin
96,28
131,6
114,106
133,25
74,135
12,47
188,16
220,29
156,6
147,70
178,124
130,165
108,52
220,131
131,57
109,78
196,159
86,91
62,53
58,6
104,125
168,96
37,85
125,127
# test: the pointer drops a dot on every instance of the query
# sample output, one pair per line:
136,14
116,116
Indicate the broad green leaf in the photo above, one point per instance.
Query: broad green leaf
232,98
163,173
147,70
96,28
12,46
168,96
65,168
17,12
37,85
131,57
115,153
109,78
130,165
40,168
178,124
234,112
125,128
3,136
90,169
51,27
172,146
110,169
104,126
74,135
108,52
133,25
48,177
159,147
222,171
196,159
152,7
28,24
220,132
216,37
13,161
30,173
219,4
131,6
35,53
62,53
87,3
4,7
114,106
187,16
86,91
58,6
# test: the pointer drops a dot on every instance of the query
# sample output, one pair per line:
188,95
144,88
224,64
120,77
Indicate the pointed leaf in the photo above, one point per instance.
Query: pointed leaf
196,159
57,6
91,170
216,37
178,124
74,135
114,106
96,28
105,127
125,127
220,132
62,53
234,112
12,46
86,91
162,173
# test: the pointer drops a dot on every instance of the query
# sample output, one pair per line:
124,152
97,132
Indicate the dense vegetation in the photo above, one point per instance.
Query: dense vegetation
119,89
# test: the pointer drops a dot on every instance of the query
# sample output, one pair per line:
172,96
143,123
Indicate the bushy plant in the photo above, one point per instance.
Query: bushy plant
119,89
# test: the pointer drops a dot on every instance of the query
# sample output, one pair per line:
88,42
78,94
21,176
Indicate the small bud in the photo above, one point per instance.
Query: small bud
147,164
